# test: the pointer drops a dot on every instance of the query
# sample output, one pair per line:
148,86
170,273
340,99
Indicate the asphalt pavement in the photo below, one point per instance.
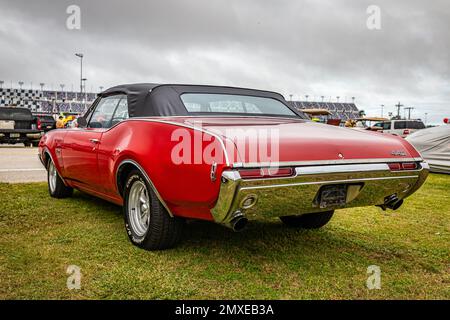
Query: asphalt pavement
20,164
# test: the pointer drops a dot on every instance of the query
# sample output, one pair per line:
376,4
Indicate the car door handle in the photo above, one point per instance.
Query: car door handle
96,141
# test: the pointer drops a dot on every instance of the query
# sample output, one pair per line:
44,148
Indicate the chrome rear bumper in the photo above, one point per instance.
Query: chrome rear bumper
368,184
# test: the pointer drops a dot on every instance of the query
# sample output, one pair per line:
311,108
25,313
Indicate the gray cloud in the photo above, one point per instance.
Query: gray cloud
299,47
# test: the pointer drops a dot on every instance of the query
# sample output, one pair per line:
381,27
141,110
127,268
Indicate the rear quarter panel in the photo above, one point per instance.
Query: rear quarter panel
49,143
186,188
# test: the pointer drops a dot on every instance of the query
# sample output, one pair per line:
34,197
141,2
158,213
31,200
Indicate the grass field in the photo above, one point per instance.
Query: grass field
40,237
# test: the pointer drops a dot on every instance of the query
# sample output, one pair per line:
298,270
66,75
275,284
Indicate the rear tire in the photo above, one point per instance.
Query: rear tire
56,186
309,220
148,224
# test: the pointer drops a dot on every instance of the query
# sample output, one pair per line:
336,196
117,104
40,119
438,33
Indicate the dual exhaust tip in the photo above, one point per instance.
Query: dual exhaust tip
391,202
239,222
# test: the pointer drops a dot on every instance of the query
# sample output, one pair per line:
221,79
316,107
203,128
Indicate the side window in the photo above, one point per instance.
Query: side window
121,112
386,126
103,113
400,124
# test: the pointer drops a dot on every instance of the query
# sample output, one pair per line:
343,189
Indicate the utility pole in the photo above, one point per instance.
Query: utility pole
398,105
426,115
409,112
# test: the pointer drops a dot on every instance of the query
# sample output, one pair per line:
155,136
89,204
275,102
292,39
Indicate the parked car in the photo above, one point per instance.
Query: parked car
434,146
45,122
17,125
168,153
399,127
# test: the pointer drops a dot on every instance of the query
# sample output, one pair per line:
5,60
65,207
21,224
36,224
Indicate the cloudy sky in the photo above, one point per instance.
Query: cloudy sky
299,47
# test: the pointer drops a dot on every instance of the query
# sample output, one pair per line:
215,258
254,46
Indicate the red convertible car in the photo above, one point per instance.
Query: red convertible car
168,153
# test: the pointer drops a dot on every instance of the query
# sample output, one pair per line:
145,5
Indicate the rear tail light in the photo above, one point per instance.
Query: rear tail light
266,173
39,124
406,131
402,166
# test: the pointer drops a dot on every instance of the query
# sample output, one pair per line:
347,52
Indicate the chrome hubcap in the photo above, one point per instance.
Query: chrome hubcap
52,176
139,208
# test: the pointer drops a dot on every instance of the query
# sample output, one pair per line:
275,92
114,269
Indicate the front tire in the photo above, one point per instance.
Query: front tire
148,224
309,220
56,186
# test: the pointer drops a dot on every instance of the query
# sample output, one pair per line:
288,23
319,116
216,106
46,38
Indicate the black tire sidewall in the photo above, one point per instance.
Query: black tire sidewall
132,178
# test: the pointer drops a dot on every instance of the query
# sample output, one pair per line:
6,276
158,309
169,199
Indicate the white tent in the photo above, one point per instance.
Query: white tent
434,146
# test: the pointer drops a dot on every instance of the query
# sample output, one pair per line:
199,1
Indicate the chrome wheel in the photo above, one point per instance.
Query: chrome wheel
52,176
139,208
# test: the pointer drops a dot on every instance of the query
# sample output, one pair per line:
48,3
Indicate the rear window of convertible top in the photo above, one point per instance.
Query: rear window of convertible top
205,103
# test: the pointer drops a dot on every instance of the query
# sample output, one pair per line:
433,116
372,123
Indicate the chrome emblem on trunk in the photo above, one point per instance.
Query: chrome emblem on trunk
398,153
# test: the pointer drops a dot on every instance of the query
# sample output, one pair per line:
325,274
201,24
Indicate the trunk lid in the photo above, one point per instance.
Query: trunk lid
296,140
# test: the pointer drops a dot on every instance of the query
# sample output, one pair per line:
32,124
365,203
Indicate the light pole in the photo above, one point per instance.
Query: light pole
42,86
20,84
80,55
337,98
101,88
1,84
62,85
353,100
322,97
306,97
426,116
382,107
290,96
83,85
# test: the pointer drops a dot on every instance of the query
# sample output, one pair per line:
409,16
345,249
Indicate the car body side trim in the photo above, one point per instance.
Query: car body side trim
322,162
148,180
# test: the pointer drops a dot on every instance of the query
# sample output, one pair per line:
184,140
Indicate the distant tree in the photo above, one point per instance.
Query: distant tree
362,113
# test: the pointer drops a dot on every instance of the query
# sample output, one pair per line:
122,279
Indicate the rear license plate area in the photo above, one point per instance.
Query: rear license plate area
332,195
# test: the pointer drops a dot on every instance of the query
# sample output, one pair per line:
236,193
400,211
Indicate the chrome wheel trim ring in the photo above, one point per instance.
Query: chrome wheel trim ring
139,208
52,176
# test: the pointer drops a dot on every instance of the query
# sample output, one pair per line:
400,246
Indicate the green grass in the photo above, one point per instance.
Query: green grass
40,237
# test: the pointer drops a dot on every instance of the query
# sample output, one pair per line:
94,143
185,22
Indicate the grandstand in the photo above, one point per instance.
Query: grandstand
338,110
47,101
53,102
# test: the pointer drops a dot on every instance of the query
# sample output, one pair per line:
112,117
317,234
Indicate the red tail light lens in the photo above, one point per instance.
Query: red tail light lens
409,166
266,173
406,131
395,166
39,125
402,166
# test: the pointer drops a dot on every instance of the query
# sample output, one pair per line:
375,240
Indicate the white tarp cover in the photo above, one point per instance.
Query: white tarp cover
434,146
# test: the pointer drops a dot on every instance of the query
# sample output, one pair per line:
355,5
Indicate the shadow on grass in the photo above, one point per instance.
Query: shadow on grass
260,238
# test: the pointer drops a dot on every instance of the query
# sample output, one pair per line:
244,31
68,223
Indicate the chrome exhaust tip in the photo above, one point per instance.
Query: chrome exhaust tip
239,222
391,202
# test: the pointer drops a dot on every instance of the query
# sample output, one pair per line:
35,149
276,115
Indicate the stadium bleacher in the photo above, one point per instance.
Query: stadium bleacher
46,101
49,101
343,111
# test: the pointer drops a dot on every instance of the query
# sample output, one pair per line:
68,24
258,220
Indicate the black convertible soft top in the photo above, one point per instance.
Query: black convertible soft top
150,99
